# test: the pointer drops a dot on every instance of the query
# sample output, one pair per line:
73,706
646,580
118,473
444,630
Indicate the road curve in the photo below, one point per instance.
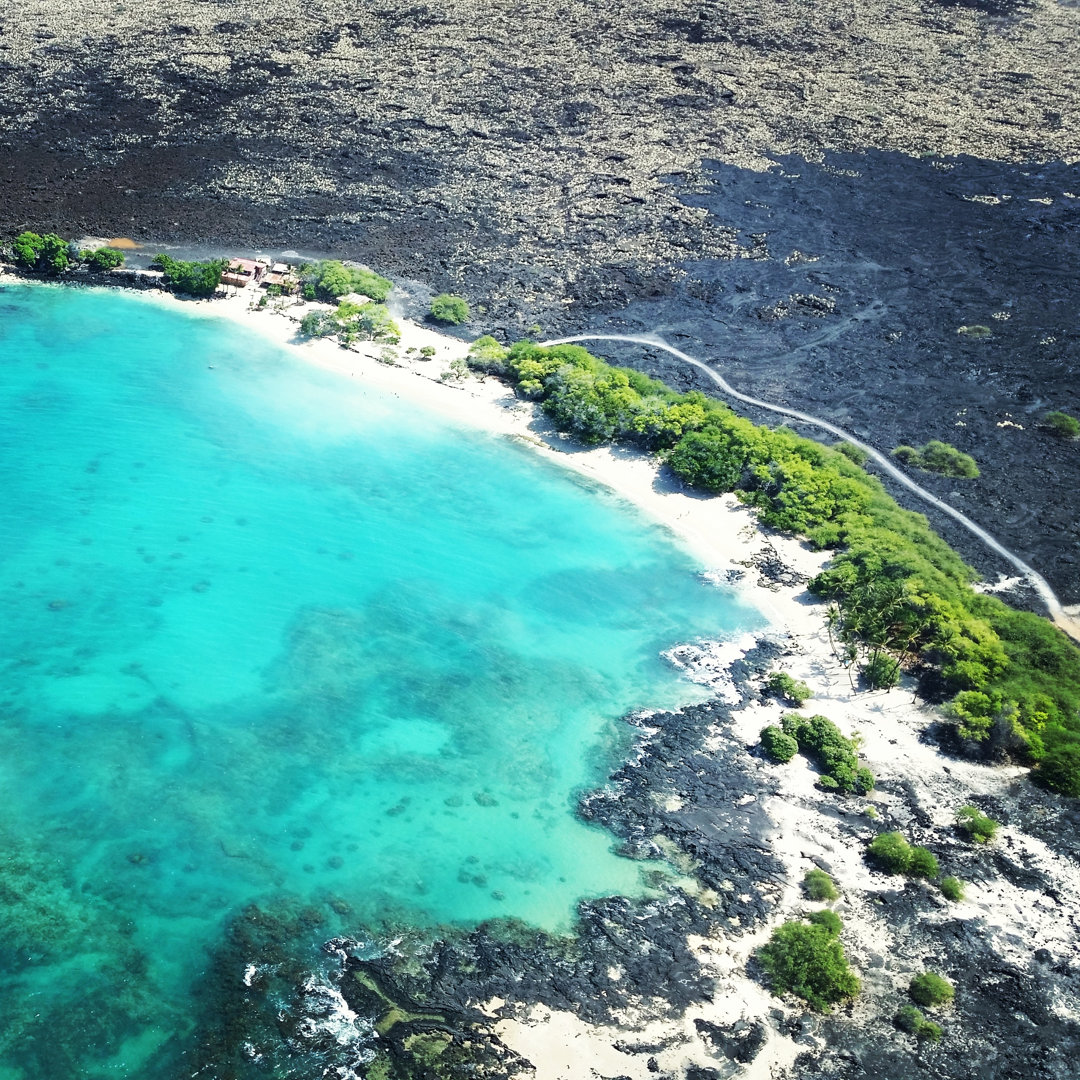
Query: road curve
1070,624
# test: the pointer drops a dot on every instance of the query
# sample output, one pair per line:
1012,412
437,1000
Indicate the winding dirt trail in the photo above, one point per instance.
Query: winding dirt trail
1070,624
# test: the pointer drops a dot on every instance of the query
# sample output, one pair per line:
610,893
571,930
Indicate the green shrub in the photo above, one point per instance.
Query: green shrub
368,321
103,259
930,1031
853,453
488,356
808,961
777,745
332,280
929,989
319,324
449,309
922,864
828,920
909,1019
780,684
819,886
25,249
938,457
49,253
1061,424
192,278
1059,767
952,889
891,852
820,739
976,825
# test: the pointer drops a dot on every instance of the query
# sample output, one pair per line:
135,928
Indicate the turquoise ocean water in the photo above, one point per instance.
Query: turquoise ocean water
266,634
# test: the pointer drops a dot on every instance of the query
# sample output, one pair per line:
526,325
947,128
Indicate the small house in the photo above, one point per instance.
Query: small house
242,272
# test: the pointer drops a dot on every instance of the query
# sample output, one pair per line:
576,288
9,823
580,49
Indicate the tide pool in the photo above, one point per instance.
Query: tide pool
266,635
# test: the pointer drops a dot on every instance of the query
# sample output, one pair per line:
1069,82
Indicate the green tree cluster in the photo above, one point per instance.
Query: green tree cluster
976,825
330,280
49,253
807,959
896,856
899,595
192,278
351,322
837,757
102,259
939,457
446,308
780,684
1061,424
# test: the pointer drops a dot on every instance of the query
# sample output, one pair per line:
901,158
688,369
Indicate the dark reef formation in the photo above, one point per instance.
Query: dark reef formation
818,199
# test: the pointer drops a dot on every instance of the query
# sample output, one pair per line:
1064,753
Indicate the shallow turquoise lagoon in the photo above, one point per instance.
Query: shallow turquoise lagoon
265,633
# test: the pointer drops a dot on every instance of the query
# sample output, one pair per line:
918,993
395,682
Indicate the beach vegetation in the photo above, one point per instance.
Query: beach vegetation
191,278
331,280
893,854
446,308
852,452
486,355
911,1020
48,253
1059,768
780,684
350,322
316,324
930,989
952,888
828,920
1061,424
881,670
819,886
923,863
777,745
102,259
976,825
939,457
368,321
835,756
893,585
808,960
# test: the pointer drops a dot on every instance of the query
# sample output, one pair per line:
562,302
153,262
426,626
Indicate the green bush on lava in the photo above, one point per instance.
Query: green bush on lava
976,825
819,886
808,960
930,989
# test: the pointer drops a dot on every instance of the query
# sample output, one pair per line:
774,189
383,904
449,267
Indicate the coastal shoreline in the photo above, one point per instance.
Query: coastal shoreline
919,789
